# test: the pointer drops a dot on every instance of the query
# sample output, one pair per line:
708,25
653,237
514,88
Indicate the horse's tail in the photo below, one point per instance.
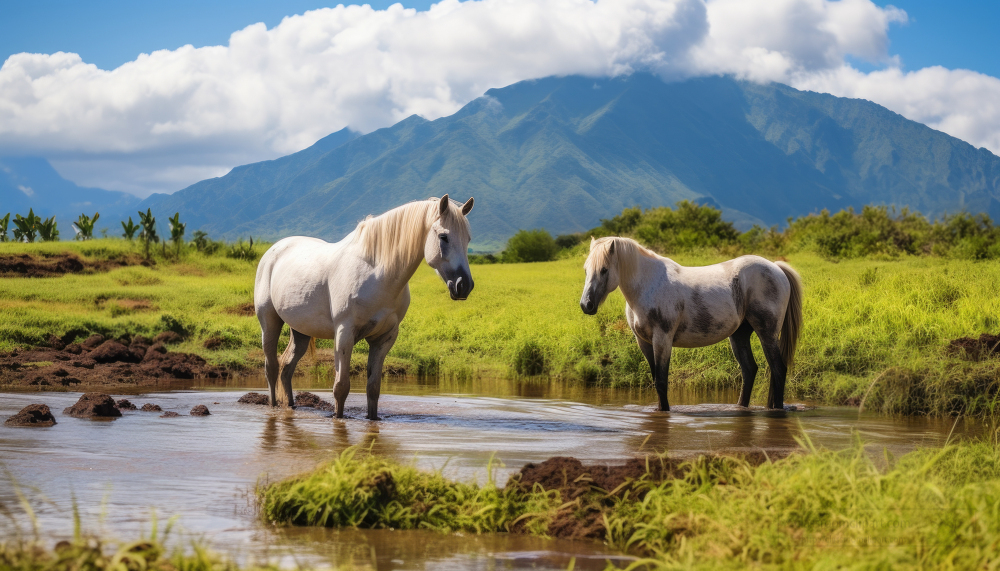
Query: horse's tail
792,326
312,347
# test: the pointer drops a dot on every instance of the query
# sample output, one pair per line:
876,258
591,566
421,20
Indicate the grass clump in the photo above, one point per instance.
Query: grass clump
356,490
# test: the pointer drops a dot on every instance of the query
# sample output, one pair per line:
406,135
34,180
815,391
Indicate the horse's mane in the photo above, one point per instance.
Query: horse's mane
392,240
627,252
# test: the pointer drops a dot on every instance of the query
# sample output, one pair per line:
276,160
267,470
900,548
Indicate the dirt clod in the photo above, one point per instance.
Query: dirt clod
150,407
169,414
985,346
200,410
125,404
93,405
32,415
92,342
214,343
310,400
112,352
254,398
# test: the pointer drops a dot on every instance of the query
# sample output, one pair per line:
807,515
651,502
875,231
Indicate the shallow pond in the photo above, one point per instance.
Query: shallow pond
201,469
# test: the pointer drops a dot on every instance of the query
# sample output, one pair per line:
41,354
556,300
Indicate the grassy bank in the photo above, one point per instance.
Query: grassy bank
876,330
932,508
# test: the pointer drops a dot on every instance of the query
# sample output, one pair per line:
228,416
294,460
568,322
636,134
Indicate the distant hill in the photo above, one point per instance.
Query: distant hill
562,153
32,183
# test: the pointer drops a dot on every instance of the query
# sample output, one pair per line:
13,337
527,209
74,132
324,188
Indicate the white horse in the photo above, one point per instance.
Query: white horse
669,305
356,289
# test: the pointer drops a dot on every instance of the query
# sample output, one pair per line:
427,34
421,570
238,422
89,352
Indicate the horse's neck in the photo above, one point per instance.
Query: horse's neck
634,286
411,262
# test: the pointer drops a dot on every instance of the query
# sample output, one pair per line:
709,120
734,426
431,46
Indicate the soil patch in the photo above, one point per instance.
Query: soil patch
94,405
976,349
246,310
100,362
169,414
32,266
312,401
32,415
125,404
254,398
588,492
150,407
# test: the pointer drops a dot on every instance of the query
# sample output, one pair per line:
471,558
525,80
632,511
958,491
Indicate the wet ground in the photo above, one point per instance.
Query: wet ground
201,468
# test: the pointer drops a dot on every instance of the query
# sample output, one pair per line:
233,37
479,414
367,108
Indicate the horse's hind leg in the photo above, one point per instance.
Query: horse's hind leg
298,344
270,331
772,352
740,343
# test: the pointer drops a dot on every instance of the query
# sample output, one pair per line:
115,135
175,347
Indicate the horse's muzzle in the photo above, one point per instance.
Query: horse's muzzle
460,287
588,307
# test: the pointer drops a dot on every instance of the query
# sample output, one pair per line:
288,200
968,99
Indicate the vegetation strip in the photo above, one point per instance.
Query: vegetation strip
928,508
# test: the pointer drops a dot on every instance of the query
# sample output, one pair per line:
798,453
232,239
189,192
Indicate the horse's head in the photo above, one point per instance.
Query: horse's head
602,274
447,247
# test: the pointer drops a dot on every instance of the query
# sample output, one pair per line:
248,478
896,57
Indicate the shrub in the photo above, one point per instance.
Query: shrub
531,246
529,358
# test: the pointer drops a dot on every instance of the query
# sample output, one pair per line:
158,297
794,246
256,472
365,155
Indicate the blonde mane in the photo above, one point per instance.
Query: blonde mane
626,256
392,240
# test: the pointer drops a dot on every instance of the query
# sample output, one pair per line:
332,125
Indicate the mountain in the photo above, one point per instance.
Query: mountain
32,183
562,153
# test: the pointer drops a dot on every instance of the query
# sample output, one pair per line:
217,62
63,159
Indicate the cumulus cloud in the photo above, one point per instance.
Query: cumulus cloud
170,118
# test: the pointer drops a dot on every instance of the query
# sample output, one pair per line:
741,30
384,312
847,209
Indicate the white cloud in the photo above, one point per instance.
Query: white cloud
27,190
170,118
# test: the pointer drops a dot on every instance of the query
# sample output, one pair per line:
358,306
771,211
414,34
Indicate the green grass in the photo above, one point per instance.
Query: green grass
876,330
932,508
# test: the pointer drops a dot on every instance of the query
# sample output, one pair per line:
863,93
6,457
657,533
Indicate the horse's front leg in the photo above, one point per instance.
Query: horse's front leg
662,347
342,362
378,348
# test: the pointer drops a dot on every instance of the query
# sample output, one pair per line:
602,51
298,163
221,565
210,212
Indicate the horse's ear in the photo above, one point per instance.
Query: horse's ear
467,207
611,248
444,205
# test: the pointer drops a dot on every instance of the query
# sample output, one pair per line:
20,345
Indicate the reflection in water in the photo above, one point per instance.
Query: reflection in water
201,468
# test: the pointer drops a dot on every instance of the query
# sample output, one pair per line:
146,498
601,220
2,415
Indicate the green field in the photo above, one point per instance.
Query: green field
876,330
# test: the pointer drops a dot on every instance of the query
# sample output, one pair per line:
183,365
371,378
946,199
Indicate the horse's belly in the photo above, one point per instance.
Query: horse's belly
698,335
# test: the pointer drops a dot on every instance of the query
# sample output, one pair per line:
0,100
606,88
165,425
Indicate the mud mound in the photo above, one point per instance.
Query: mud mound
169,414
254,398
588,492
100,362
32,415
94,405
168,338
125,404
312,401
31,266
976,349
150,407
214,343
200,410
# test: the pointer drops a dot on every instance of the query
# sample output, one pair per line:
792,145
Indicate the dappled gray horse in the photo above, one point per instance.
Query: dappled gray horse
669,305
356,289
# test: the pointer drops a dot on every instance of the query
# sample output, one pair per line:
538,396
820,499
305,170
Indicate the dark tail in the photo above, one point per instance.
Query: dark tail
792,325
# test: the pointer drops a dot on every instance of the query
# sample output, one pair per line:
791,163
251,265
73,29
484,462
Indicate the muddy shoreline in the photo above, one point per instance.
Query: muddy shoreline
100,363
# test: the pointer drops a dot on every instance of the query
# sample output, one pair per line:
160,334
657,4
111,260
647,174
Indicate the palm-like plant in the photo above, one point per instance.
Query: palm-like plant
26,227
148,234
3,227
177,231
84,226
130,229
48,230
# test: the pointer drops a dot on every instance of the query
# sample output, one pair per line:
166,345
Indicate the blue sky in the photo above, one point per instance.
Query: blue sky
954,34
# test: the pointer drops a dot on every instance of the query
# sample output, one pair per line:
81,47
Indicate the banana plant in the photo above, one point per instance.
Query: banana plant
26,227
48,230
84,226
130,229
3,227
148,234
177,231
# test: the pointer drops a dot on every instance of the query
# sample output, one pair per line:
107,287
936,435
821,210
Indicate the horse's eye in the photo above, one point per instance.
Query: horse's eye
604,271
444,238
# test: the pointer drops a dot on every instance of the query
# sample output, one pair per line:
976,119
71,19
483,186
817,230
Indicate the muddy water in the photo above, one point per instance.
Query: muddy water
201,468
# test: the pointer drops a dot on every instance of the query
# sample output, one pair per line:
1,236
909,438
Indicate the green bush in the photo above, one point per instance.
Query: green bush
530,246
